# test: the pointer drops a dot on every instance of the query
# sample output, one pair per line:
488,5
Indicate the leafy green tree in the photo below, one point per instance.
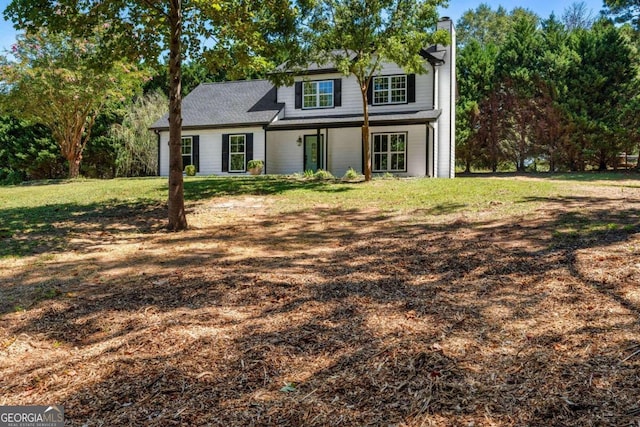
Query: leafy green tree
599,87
475,76
193,73
488,26
53,79
27,151
518,74
552,124
99,157
484,25
486,101
138,151
624,11
234,35
359,35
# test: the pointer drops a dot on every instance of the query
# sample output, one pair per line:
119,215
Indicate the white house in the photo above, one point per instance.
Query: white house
317,122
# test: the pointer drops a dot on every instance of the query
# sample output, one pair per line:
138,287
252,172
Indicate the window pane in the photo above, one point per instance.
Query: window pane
186,160
325,87
376,143
398,82
237,162
380,83
309,88
309,101
398,96
381,97
399,89
236,144
326,100
186,146
384,145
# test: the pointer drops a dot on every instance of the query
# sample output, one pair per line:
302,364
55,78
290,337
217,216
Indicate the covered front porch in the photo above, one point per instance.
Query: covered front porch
400,145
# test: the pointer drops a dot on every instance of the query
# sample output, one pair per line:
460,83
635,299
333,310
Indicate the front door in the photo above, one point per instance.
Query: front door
313,153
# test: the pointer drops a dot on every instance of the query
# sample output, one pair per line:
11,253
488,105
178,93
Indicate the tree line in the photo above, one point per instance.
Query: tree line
119,144
559,94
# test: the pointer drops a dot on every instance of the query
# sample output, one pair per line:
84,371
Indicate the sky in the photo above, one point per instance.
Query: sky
454,11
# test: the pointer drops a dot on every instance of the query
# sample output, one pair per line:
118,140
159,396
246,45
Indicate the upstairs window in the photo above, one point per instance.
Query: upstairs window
389,90
317,94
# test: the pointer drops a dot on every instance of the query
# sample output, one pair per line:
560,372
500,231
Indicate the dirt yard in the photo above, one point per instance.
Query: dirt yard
332,317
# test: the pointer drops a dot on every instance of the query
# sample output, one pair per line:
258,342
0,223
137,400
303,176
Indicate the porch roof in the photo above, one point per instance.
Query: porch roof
377,119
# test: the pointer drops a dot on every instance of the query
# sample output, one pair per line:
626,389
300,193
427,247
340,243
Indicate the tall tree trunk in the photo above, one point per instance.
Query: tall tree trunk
366,144
74,166
177,216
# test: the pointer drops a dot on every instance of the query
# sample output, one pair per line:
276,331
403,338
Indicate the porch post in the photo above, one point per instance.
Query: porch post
320,154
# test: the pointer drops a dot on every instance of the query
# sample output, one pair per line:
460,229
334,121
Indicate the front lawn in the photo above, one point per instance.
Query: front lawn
474,301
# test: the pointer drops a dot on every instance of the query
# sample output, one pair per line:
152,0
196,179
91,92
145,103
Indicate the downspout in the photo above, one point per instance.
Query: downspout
265,149
426,150
157,132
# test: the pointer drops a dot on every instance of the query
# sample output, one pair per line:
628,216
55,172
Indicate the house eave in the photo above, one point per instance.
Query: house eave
215,126
334,122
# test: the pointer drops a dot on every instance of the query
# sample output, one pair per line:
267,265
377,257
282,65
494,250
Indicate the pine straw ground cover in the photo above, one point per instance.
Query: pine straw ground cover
264,313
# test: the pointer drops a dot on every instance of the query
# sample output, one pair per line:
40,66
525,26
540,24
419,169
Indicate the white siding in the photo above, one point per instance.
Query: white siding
345,150
164,153
352,97
284,156
211,148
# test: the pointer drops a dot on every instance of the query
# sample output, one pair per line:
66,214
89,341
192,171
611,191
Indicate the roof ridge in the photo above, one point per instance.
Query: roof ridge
234,81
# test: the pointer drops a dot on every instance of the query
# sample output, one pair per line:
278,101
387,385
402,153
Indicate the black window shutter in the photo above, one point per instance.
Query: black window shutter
196,151
337,92
249,149
225,152
298,95
411,88
370,92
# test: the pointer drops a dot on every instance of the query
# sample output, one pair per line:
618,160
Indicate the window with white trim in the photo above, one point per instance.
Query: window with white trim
187,151
318,94
237,153
389,152
390,90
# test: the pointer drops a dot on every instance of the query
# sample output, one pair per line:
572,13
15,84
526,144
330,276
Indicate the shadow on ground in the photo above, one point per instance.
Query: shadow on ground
342,317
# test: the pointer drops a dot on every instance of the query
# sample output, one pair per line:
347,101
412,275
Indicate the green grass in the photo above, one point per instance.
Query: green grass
38,218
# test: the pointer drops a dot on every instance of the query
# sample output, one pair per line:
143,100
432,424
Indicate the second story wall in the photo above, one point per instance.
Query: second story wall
347,99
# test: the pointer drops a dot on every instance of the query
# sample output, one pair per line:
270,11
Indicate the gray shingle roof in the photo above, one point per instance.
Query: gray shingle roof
237,103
